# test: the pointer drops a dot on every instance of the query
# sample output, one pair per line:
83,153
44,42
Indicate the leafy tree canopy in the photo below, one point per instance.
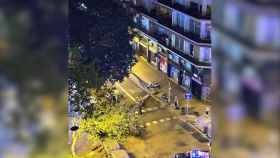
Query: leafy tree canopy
100,33
109,119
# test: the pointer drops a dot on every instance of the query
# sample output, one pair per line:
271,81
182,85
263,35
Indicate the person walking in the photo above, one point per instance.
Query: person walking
140,106
176,102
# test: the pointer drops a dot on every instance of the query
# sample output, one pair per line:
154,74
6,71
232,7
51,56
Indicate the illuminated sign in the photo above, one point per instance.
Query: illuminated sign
199,154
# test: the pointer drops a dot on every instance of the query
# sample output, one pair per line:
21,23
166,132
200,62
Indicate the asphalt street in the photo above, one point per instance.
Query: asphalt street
165,134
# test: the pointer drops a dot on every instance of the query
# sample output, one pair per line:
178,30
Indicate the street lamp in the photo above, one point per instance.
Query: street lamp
169,92
188,97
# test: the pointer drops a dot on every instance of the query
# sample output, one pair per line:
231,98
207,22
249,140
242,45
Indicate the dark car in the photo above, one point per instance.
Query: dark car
182,155
154,85
164,98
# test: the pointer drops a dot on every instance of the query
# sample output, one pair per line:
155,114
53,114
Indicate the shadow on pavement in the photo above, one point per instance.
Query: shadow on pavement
187,127
200,138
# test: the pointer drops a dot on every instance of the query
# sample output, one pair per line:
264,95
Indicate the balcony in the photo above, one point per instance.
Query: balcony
167,23
166,42
189,11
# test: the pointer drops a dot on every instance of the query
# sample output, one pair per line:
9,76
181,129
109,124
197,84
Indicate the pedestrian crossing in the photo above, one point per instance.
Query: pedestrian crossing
150,109
155,122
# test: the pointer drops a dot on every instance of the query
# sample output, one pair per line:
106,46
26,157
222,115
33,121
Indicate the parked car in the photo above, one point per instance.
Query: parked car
153,85
164,98
195,153
182,155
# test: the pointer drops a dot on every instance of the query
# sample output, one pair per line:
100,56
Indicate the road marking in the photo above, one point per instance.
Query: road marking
130,96
155,122
149,109
148,124
167,119
161,120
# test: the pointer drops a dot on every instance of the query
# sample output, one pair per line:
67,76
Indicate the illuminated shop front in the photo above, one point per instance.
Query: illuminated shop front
173,68
152,53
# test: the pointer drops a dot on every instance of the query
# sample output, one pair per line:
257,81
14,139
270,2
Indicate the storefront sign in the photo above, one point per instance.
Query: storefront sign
188,96
163,63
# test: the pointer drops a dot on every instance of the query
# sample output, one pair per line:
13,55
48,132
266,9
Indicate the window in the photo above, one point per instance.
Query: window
181,2
197,27
208,31
194,27
188,48
268,30
191,49
208,10
161,30
187,65
180,19
233,50
232,17
145,23
193,6
179,43
205,54
174,57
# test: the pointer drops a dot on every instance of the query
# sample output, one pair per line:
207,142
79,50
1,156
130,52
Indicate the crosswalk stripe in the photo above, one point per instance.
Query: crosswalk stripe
148,124
149,109
167,119
155,122
161,120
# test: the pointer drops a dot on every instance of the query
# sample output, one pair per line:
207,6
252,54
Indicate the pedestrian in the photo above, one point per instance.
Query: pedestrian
140,107
140,110
176,102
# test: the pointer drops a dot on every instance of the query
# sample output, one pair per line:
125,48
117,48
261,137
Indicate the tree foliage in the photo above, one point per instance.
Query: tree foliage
99,52
101,34
110,119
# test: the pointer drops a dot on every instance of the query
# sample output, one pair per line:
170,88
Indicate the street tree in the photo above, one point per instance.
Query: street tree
110,119
99,53
100,32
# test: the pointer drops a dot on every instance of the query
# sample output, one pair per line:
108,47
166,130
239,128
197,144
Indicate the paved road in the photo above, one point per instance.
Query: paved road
148,74
165,134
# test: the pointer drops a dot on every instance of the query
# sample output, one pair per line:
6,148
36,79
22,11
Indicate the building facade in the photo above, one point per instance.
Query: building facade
175,37
247,46
246,41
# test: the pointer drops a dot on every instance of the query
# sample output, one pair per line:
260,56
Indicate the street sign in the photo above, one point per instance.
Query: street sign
188,96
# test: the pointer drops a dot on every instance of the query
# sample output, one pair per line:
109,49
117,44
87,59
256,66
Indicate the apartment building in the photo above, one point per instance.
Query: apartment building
175,37
246,41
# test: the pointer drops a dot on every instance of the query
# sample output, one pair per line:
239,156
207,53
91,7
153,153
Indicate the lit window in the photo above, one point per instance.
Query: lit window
232,17
182,2
268,30
145,23
205,54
